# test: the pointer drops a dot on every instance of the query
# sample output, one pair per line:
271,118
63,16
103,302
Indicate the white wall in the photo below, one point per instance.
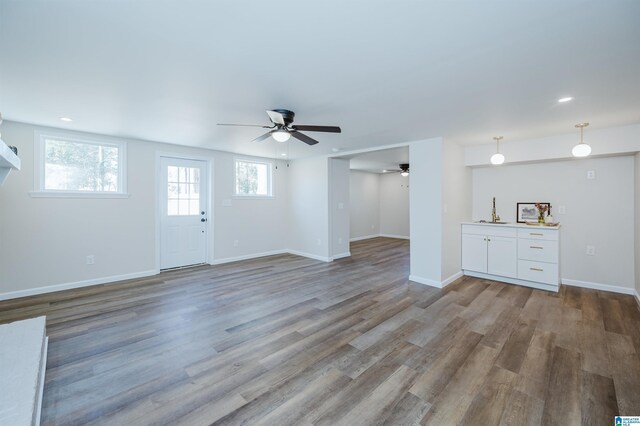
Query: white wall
44,241
308,220
426,211
599,212
456,208
637,224
339,182
394,205
365,204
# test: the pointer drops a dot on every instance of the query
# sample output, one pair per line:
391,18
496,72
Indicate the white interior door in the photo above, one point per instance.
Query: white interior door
183,212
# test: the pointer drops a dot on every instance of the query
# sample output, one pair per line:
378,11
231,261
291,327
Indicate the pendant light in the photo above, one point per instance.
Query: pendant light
497,158
582,149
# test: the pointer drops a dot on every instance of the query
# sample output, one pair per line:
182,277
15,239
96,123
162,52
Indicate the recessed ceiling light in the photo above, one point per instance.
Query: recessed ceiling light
336,149
67,119
566,99
384,171
284,154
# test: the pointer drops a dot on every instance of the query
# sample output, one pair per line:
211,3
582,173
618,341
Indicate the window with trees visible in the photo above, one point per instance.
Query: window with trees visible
253,179
73,166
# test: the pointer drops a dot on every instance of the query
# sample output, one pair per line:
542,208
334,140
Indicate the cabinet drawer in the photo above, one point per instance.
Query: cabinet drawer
538,234
538,271
497,230
538,250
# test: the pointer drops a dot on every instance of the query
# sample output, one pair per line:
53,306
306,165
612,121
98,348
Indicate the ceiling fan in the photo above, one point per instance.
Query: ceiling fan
404,169
283,128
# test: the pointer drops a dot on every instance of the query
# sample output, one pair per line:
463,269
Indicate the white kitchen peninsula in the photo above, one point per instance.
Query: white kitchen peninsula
514,253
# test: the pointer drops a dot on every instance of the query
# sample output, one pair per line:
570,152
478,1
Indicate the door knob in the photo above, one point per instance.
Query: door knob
203,220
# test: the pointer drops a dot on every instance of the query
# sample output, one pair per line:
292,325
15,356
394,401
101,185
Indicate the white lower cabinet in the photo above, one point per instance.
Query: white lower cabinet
518,254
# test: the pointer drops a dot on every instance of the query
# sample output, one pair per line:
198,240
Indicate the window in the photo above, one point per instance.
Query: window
253,179
67,166
183,198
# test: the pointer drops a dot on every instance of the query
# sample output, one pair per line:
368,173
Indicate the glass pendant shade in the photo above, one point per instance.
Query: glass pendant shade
405,174
581,150
497,158
281,135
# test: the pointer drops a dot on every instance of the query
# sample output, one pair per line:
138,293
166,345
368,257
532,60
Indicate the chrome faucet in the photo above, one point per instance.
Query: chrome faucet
494,216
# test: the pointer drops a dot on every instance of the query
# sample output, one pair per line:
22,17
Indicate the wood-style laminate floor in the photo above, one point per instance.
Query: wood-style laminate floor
288,340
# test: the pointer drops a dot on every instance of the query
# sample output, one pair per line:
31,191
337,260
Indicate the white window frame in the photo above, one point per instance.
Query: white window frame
39,166
270,191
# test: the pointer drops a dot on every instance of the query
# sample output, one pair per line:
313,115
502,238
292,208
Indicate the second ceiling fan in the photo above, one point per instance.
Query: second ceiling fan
283,128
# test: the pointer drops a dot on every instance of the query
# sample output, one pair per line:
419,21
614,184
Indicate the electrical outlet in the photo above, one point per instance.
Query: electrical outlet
319,242
373,227
236,243
339,240
562,210
591,250
340,206
91,259
591,174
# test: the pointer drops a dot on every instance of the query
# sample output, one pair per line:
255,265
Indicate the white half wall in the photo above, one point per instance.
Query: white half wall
308,220
394,204
599,212
339,206
364,194
44,241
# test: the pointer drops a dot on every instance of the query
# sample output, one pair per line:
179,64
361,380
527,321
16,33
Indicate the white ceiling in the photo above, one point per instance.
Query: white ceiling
386,72
378,161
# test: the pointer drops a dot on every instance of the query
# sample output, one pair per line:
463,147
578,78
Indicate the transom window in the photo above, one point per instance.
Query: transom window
253,179
69,166
183,185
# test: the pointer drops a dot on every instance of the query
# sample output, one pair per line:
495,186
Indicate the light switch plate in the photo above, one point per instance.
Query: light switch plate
562,210
591,174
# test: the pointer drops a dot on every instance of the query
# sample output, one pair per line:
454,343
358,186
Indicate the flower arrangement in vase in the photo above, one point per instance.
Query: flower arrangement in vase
542,209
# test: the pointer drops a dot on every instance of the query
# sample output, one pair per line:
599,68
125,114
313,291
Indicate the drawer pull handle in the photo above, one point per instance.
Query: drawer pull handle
536,247
536,269
535,233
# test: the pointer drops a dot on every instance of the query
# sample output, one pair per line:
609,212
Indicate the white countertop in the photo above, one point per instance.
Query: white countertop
511,225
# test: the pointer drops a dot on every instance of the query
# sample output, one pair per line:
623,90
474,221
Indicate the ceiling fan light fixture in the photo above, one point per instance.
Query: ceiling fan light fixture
405,174
404,169
497,158
582,149
281,135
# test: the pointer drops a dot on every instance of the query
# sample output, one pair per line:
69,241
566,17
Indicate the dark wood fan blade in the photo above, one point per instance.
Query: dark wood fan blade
246,125
263,137
327,129
304,138
276,117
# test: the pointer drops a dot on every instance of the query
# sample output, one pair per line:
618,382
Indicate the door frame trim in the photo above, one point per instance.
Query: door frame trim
158,178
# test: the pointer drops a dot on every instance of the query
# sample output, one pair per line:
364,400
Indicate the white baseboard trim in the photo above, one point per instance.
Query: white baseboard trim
598,286
310,256
637,297
247,257
452,278
401,237
366,237
341,255
68,286
425,281
434,283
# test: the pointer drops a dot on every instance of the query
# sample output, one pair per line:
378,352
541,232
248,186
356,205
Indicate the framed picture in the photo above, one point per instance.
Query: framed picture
527,212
